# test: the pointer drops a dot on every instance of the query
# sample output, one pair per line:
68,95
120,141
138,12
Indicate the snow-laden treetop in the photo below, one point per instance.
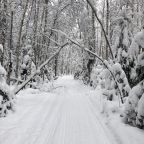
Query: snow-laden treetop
137,43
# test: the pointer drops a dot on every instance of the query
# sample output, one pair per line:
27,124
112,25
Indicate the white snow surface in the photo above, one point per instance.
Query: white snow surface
1,47
2,70
69,114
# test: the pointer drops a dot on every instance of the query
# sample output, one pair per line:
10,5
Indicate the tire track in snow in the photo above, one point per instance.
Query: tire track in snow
108,130
50,128
17,126
39,124
67,117
48,123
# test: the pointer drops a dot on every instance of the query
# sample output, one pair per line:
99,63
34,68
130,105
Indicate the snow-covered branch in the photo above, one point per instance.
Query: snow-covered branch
94,54
39,68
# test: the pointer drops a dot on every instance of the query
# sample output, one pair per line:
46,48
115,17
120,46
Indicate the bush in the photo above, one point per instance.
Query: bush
6,97
133,113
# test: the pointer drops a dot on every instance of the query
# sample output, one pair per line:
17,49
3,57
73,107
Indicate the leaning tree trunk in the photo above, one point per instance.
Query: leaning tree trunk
94,54
39,68
104,32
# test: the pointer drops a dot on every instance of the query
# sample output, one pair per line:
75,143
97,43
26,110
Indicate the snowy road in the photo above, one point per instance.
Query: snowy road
65,116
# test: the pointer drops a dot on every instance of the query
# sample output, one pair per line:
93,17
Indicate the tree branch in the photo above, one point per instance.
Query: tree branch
94,54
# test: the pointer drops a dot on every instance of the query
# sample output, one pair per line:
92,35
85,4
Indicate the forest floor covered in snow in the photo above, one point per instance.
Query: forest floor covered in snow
70,113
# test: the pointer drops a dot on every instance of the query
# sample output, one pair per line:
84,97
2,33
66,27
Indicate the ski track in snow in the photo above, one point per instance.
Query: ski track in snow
66,116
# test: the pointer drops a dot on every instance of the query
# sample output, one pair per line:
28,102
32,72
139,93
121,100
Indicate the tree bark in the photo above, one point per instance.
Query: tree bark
19,40
3,27
10,50
107,26
105,35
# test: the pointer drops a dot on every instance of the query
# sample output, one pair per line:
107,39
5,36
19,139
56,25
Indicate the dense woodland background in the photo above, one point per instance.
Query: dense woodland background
103,45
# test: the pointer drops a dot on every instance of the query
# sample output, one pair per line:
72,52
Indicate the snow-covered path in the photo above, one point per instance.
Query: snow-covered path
63,117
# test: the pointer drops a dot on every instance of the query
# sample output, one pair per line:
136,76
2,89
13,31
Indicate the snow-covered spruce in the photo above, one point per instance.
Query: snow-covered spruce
102,76
133,112
95,77
136,58
27,67
6,96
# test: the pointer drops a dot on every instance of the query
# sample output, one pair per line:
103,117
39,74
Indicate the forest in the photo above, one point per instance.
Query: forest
98,42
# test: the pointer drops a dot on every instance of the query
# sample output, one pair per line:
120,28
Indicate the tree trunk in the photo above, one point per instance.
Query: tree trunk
107,27
19,40
3,27
104,32
10,50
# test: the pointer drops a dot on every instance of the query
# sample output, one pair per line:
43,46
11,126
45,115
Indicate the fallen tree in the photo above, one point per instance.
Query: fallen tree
39,68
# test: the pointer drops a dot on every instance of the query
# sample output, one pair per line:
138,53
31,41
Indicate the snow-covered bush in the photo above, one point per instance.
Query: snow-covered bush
108,84
96,75
134,105
27,66
6,96
136,56
82,75
140,113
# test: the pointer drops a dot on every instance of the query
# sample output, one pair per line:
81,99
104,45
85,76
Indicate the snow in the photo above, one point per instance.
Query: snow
141,106
110,116
2,71
137,42
69,114
141,59
1,48
26,59
139,38
134,96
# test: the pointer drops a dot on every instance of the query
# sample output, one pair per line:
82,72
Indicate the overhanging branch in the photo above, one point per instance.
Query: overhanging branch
94,54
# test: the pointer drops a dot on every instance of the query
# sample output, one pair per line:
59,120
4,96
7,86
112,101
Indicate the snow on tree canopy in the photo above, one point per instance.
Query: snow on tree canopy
134,105
137,42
